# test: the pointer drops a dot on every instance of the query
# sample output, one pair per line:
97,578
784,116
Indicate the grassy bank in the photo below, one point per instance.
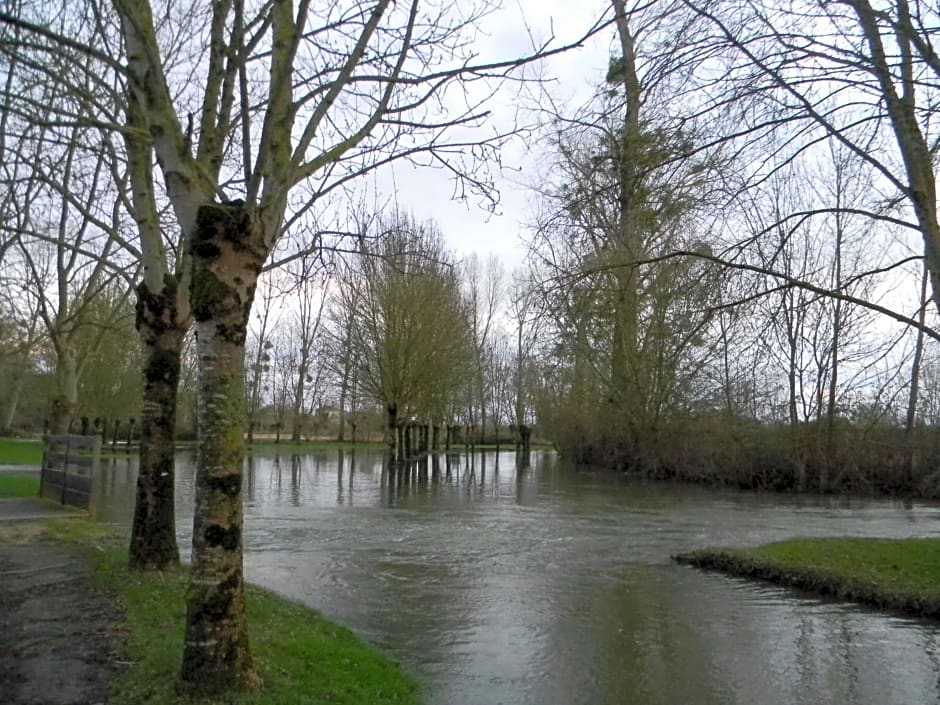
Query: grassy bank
17,451
300,656
895,574
13,485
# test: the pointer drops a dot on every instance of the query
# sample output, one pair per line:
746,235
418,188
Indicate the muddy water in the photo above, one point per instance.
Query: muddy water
552,587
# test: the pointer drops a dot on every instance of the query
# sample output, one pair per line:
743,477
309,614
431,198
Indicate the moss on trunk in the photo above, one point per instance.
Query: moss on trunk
228,253
153,534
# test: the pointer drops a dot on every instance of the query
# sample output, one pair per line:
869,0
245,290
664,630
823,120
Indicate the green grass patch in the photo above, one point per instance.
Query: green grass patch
18,451
302,657
896,574
13,485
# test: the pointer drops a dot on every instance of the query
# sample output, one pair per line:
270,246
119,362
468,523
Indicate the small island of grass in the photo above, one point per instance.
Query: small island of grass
893,574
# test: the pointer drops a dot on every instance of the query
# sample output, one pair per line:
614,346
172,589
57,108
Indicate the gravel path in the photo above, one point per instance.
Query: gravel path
57,633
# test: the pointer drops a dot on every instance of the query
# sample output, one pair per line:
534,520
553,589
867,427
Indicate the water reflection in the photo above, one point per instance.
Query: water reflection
500,584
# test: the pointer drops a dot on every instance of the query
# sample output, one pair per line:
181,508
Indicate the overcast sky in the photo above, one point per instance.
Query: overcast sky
428,193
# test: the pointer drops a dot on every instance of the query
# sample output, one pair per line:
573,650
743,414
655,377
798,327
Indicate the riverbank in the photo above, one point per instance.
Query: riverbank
20,451
19,484
893,574
28,451
19,467
300,656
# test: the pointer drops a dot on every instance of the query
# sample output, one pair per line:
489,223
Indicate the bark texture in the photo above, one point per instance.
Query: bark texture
153,535
228,251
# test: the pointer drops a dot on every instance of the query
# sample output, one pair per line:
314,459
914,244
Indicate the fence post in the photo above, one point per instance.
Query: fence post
65,466
94,477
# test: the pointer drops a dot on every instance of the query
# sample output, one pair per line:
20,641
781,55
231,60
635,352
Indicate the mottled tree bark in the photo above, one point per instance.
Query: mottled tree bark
228,252
65,402
153,534
13,401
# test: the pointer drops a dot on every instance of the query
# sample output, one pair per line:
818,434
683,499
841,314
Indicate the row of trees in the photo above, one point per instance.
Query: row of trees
399,327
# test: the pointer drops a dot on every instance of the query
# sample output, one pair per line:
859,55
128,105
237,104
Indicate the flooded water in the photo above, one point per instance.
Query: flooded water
553,587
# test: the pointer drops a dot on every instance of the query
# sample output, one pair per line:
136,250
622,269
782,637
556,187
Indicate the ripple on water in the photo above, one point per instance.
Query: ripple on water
555,588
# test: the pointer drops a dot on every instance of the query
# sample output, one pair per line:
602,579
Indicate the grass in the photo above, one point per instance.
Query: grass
301,656
16,451
895,574
13,485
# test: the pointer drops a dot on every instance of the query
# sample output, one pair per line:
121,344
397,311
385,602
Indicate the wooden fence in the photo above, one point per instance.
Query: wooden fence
69,465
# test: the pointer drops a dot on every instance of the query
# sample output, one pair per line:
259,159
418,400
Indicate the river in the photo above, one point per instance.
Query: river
554,587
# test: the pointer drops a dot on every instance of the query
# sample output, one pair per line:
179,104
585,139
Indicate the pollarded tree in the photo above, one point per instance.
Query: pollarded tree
409,328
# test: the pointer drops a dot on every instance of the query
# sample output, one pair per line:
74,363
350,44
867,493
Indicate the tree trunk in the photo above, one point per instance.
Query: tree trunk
392,410
910,425
13,402
66,401
228,252
401,444
299,397
344,388
153,536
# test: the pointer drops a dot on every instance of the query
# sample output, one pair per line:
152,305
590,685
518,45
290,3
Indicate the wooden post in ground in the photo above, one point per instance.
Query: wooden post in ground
130,433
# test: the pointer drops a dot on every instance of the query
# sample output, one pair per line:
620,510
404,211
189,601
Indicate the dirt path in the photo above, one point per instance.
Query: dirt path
56,632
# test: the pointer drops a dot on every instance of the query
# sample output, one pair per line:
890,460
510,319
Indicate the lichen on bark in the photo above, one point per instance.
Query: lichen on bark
228,252
153,535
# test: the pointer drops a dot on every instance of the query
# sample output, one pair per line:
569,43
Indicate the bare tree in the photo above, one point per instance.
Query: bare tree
528,320
260,347
483,292
310,294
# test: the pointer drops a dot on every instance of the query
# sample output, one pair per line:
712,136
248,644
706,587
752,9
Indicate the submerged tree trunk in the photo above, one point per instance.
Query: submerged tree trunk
153,536
392,410
228,253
